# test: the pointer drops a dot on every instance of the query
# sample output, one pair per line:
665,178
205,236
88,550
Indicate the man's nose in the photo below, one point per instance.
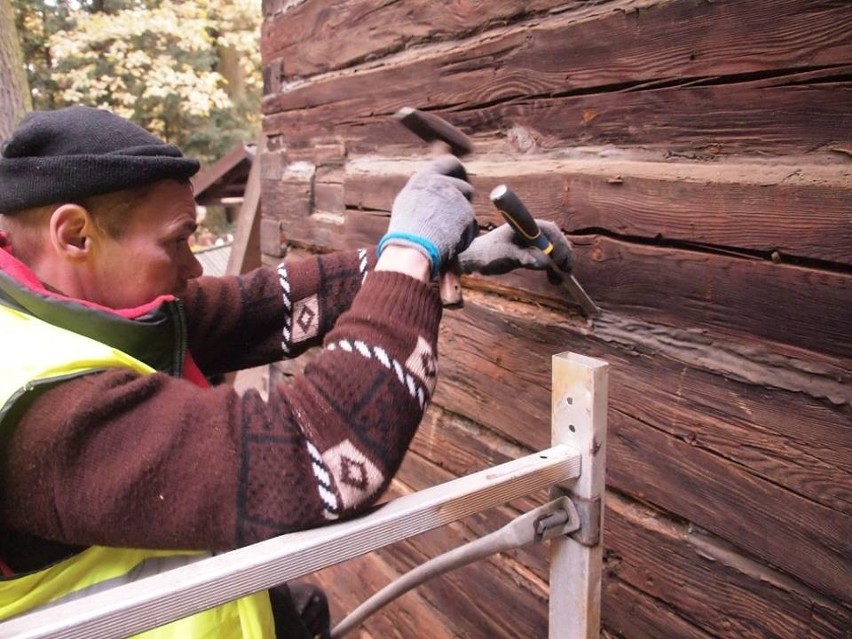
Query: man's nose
191,266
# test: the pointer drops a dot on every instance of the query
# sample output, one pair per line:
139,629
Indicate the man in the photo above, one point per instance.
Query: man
116,458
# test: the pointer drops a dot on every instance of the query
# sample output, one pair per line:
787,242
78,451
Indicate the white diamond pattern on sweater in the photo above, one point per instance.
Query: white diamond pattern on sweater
355,476
305,319
423,364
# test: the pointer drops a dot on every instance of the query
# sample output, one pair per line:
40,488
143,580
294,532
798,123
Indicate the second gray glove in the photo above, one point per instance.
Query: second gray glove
433,214
500,251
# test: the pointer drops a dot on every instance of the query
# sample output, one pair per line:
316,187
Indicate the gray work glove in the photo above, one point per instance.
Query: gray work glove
433,214
501,251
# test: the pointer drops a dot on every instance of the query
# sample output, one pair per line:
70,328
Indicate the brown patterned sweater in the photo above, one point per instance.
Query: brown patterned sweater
115,458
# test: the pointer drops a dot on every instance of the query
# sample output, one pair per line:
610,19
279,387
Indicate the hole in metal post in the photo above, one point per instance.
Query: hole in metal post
571,428
569,400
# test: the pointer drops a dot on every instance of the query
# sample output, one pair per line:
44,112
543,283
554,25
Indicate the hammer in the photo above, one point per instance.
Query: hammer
444,138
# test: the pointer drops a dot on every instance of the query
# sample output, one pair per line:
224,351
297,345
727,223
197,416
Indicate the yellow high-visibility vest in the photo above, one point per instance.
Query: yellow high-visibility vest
33,353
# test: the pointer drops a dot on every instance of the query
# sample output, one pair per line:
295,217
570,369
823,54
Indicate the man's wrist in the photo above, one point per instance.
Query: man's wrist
406,260
426,247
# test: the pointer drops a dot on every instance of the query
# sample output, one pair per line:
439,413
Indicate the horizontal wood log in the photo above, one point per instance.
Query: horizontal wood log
731,502
704,123
564,52
661,567
791,212
308,35
750,427
349,585
790,369
493,349
539,82
630,613
476,384
803,307
671,298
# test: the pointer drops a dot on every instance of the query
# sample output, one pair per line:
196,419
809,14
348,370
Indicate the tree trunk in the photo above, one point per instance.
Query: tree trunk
229,67
14,91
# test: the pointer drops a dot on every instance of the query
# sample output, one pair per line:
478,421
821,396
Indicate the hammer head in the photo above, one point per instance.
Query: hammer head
432,128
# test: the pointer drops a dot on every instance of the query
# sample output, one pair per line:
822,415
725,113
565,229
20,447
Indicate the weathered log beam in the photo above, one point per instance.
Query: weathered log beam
567,49
684,582
694,123
694,465
663,570
308,36
760,209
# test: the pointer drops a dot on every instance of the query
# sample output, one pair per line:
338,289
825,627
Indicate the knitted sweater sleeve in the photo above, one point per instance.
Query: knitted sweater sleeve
270,313
119,459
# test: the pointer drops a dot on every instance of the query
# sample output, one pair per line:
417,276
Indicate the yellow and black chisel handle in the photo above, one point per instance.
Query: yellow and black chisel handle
519,218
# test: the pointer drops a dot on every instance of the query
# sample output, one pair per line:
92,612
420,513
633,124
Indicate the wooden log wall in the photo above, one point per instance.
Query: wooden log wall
698,154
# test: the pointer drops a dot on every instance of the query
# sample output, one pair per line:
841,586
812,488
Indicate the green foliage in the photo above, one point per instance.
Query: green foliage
36,21
187,71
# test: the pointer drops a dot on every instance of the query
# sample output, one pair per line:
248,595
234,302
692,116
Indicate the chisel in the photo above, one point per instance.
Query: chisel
519,218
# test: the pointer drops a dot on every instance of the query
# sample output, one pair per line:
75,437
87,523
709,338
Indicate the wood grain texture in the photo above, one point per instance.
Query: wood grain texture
734,504
554,79
496,348
308,37
697,154
750,209
738,474
350,584
631,613
701,123
803,307
568,47
716,591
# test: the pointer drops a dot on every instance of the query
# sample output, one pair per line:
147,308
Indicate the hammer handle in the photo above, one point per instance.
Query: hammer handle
443,138
449,282
449,286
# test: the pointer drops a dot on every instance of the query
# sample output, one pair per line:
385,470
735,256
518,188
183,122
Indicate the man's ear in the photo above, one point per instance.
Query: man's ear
72,229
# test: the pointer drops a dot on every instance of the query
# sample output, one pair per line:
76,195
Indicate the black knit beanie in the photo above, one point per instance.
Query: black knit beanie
69,154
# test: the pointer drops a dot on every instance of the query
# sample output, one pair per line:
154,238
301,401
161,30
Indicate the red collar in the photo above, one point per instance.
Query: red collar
25,278
21,273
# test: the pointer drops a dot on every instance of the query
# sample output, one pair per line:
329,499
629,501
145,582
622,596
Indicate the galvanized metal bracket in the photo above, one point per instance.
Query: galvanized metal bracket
586,513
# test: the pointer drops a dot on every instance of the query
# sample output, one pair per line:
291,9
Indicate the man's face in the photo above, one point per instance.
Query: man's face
151,257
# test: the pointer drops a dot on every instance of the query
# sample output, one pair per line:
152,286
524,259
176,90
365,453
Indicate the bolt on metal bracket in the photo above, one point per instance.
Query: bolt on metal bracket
562,521
588,513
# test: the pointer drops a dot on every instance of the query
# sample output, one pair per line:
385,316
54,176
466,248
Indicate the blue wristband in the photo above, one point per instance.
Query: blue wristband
430,249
